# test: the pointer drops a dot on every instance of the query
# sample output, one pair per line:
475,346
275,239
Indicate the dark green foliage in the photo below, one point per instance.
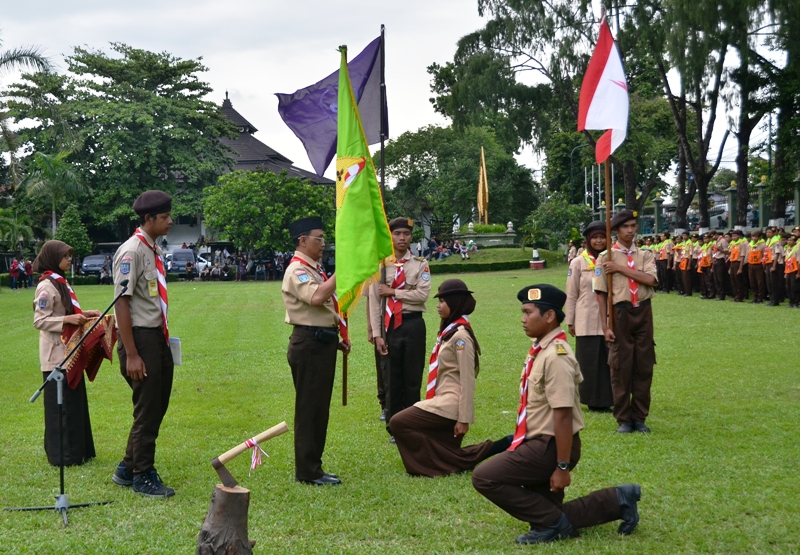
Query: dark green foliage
72,231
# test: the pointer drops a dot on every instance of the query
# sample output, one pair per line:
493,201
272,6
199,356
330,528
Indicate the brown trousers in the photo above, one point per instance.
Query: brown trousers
738,282
631,358
720,273
708,289
792,288
313,365
686,277
406,362
381,374
757,283
519,483
428,447
150,396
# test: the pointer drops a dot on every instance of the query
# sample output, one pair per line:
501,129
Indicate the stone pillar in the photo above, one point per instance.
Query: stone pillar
659,223
602,211
731,192
762,214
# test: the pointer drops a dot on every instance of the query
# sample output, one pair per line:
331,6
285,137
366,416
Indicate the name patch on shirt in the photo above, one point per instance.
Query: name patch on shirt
125,268
460,345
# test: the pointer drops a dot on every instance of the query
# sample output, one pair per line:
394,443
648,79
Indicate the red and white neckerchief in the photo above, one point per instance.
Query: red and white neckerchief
633,285
394,307
321,271
76,307
162,279
256,460
522,413
433,364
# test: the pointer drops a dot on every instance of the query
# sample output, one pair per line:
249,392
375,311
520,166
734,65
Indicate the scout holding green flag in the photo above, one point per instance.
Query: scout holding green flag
363,238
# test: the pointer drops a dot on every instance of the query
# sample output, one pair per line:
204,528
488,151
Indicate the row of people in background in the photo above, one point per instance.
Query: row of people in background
719,265
21,273
440,251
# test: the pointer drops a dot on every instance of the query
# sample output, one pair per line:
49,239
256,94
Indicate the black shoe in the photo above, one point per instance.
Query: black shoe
561,530
149,484
601,409
324,480
773,304
641,427
500,445
123,476
720,299
332,475
625,428
384,412
628,495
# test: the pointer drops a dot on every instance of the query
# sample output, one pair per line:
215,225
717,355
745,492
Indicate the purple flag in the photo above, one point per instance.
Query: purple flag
312,112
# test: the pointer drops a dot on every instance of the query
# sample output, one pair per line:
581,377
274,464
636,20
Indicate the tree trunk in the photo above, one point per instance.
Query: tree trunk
684,197
224,531
701,181
742,190
629,180
53,215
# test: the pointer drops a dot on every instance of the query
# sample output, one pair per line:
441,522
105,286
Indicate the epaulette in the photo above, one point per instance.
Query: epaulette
560,349
420,259
603,252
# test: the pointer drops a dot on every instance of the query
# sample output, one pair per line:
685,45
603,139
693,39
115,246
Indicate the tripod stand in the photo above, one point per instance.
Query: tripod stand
58,375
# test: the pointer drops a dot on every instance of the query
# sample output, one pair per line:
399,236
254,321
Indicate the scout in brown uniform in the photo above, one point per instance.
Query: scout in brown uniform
719,270
756,267
145,359
791,271
739,250
529,479
397,304
381,361
631,348
311,310
429,434
583,323
53,309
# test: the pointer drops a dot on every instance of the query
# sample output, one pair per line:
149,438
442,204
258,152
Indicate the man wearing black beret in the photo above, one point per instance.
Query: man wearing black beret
631,355
528,480
145,359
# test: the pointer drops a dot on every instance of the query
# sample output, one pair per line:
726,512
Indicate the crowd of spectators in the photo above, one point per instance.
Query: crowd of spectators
243,266
440,251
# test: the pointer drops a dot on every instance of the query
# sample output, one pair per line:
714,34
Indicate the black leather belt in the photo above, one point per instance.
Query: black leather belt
411,315
315,328
144,328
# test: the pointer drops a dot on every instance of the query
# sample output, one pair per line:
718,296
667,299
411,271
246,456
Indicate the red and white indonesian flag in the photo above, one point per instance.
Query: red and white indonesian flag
604,96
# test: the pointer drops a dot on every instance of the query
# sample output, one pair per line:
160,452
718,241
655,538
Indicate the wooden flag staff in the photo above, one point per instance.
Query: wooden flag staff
610,308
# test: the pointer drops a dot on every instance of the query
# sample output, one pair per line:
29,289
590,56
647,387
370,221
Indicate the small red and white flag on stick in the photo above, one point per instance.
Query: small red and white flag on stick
603,103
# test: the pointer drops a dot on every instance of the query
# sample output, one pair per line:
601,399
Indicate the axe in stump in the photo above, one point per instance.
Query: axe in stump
219,462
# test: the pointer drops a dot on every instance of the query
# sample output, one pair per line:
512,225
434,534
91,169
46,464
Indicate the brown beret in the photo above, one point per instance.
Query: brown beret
153,202
304,225
621,218
401,223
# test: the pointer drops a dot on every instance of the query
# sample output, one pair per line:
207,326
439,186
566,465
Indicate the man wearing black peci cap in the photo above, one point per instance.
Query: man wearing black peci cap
311,310
528,480
631,355
396,306
145,359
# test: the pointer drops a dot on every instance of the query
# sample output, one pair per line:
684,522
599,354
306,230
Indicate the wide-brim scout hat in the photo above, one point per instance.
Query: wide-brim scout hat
153,202
544,296
594,227
304,225
401,223
452,287
621,218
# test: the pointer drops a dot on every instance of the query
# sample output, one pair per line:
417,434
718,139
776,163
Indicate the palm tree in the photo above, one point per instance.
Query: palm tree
14,229
52,176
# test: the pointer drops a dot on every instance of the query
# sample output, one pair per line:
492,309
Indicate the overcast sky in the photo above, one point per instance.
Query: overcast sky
254,49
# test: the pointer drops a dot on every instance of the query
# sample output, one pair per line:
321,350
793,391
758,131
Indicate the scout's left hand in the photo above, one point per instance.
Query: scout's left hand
344,346
559,480
460,429
385,291
92,313
612,267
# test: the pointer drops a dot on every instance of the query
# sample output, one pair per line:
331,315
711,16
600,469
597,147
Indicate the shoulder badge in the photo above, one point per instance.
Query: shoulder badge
126,258
42,301
302,276
560,349
425,276
597,271
460,345
125,268
569,272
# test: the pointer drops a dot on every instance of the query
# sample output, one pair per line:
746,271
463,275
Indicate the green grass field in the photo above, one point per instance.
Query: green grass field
718,473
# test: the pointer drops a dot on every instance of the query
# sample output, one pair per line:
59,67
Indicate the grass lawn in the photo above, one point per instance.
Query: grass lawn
718,473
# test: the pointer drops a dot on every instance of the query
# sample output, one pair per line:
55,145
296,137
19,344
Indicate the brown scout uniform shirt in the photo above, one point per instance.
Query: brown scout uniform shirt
455,380
299,284
722,245
48,318
581,309
413,296
553,384
136,262
620,288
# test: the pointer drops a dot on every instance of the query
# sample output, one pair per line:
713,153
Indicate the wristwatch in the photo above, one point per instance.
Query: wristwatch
562,465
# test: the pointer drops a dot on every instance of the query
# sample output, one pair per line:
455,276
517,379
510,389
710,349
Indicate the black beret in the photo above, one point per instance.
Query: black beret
304,225
401,223
544,296
452,287
594,227
739,231
621,218
153,202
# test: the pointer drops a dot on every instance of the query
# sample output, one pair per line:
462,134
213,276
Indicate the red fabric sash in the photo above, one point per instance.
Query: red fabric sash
433,364
321,271
522,413
162,280
99,345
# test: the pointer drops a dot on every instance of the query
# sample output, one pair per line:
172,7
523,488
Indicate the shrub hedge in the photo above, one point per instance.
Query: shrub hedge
5,280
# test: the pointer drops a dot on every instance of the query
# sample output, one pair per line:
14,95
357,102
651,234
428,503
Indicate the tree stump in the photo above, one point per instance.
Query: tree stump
224,531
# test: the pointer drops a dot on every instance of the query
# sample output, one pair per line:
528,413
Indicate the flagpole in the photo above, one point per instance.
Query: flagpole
383,165
610,308
344,372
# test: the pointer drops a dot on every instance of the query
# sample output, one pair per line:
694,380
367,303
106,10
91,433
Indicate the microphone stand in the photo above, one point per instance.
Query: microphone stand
58,375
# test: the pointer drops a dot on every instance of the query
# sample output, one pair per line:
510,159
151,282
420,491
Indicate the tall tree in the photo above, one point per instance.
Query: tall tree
51,176
15,229
141,123
73,232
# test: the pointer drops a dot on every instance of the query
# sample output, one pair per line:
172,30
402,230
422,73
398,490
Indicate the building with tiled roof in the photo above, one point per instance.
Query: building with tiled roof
250,154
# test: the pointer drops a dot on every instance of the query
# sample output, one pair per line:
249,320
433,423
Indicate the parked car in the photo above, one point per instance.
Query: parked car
92,264
177,259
